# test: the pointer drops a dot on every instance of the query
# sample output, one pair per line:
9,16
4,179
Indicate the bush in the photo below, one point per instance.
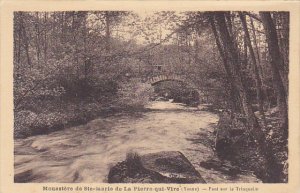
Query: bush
28,123
134,93
23,122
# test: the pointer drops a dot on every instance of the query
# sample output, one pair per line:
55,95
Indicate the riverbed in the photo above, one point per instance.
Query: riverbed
85,153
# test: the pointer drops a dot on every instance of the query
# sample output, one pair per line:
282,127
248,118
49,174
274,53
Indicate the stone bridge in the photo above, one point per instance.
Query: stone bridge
160,78
194,94
189,83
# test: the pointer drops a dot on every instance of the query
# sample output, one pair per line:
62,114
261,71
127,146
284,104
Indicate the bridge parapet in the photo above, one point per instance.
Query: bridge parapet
160,78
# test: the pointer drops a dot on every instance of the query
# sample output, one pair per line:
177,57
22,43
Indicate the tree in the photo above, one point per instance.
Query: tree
232,60
258,80
234,99
276,62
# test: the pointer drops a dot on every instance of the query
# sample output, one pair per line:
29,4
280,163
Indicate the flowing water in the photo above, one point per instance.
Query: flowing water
85,153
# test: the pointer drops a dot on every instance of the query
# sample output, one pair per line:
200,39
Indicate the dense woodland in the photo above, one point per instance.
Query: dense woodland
70,67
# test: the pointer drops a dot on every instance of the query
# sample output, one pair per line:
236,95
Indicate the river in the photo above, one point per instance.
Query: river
85,153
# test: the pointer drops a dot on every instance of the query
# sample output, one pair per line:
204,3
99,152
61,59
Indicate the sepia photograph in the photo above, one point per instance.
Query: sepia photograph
151,96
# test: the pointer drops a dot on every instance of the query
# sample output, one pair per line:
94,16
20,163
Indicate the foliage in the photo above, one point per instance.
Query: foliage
240,145
46,115
134,93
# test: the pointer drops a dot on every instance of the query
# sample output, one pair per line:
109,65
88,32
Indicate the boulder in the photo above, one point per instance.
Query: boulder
224,167
160,167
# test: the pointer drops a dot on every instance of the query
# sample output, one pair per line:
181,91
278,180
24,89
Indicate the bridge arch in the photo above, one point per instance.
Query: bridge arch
193,96
161,78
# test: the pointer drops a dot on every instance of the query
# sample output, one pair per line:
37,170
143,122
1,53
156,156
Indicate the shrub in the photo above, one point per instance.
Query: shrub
134,93
23,122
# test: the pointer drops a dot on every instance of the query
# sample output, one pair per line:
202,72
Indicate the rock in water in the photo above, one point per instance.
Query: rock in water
173,165
160,167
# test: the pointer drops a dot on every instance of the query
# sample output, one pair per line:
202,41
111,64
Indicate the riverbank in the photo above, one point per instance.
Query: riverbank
234,143
42,116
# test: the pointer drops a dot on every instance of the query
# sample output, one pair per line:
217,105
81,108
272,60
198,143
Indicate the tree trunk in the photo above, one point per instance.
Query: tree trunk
25,38
234,99
260,68
37,38
45,38
285,35
19,41
107,31
282,19
196,48
276,62
259,91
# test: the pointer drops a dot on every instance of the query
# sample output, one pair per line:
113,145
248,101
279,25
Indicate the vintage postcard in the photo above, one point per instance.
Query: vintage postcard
150,96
